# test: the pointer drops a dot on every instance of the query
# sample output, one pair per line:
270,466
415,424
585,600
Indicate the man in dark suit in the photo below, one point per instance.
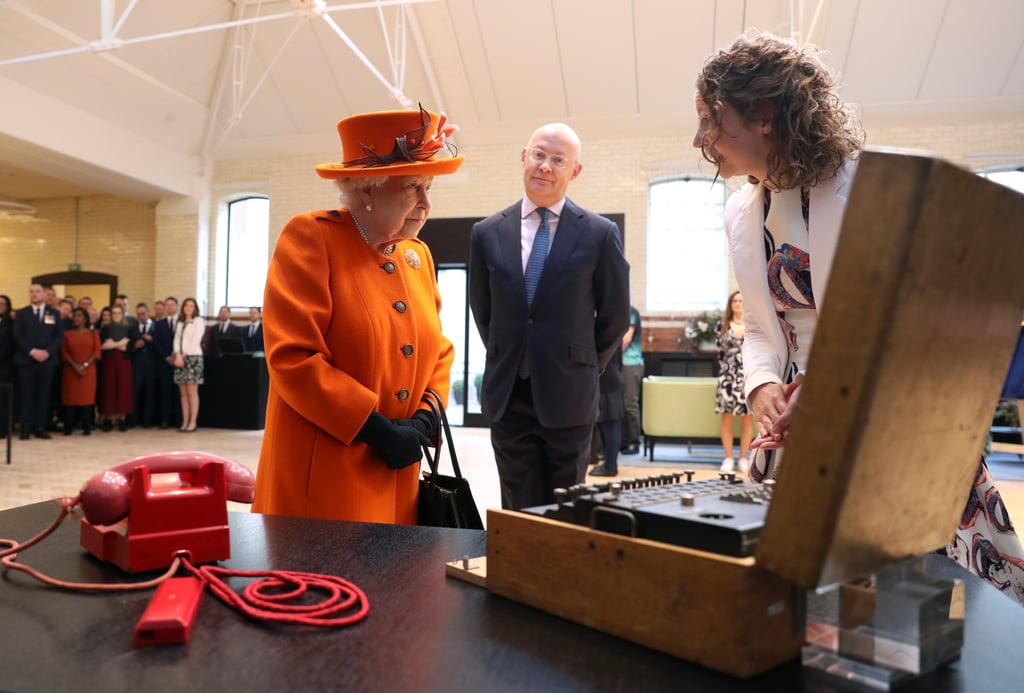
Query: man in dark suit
223,330
254,332
38,333
168,401
549,290
145,362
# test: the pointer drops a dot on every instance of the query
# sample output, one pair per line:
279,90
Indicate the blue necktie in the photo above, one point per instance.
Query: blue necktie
539,252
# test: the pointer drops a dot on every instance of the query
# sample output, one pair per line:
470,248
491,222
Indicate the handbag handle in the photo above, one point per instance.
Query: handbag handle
433,400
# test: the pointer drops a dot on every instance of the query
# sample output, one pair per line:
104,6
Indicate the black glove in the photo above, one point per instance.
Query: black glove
424,422
399,446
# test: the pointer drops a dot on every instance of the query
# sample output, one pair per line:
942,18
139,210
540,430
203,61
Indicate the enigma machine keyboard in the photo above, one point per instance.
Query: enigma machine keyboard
722,515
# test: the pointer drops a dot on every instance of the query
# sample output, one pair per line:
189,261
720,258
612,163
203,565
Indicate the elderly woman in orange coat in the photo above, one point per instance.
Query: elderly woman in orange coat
352,331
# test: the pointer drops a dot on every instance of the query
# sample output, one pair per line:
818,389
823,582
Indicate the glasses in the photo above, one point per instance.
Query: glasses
538,156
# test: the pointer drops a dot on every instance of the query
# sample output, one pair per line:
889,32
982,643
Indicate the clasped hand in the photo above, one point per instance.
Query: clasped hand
772,405
399,444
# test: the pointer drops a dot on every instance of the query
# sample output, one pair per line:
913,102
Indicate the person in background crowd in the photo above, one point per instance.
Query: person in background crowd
116,340
353,331
79,352
730,401
6,364
187,359
223,330
254,332
609,416
770,111
129,317
85,302
145,361
49,296
632,380
64,307
168,397
549,290
38,333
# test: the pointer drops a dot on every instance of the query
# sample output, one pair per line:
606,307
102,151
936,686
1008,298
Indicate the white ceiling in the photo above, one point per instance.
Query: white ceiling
179,83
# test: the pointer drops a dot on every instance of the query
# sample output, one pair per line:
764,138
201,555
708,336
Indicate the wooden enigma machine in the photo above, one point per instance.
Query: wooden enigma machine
924,305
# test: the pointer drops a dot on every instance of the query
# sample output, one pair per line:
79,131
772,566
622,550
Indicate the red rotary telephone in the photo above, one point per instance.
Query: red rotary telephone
143,512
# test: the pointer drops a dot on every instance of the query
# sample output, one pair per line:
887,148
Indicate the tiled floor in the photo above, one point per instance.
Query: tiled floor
45,469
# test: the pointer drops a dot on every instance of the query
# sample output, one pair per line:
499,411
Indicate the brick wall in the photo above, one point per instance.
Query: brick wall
156,255
114,236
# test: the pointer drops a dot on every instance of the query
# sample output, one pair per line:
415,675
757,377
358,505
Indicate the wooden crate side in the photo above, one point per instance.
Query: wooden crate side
720,612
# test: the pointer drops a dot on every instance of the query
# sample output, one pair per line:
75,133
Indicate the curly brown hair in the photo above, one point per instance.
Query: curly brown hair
814,131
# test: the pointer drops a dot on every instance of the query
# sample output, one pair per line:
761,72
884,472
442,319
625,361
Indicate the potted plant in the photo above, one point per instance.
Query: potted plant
701,330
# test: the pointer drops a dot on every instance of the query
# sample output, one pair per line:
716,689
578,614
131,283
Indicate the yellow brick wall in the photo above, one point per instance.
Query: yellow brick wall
615,177
156,255
114,236
177,250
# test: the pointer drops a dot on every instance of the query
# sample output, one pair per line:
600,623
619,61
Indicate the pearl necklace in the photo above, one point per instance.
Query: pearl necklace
387,251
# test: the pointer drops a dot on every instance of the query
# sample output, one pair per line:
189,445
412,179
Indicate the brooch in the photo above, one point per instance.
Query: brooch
412,258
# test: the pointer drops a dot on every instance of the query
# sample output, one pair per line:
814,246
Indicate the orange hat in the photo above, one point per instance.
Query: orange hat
394,143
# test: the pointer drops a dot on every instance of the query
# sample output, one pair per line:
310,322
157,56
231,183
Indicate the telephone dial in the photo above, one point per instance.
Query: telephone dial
141,513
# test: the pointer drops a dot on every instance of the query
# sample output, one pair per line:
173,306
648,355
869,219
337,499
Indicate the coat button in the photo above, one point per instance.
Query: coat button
407,350
403,395
400,306
389,267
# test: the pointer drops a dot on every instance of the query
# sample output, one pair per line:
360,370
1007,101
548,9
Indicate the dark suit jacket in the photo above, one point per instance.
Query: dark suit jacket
214,337
30,334
148,355
254,343
580,312
163,338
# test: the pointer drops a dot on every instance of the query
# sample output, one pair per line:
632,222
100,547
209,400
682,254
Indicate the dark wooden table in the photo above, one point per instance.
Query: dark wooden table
425,632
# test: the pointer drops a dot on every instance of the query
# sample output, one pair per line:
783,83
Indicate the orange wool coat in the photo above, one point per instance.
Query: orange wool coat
344,336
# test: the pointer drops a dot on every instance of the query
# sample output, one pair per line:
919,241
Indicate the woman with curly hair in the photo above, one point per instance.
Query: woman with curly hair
768,110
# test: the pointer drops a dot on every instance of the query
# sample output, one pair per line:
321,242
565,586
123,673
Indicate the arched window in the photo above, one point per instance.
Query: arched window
243,255
687,258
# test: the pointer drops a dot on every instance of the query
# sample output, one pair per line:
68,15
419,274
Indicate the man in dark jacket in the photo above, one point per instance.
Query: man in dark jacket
38,333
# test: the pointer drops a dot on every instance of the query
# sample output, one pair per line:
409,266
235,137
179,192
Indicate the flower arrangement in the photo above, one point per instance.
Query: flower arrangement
700,329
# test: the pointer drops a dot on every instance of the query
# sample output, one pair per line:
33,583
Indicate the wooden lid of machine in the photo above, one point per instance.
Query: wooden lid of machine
925,300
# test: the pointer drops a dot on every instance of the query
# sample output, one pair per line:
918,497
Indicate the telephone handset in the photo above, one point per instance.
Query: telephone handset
106,497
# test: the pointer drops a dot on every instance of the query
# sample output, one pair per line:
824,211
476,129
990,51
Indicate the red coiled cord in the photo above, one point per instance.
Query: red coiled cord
262,600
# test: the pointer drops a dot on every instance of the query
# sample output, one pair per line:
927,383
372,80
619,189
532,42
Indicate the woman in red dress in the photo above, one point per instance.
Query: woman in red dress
79,352
116,395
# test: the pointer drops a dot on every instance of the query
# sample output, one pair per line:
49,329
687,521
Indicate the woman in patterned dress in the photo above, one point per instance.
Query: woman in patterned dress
769,111
188,361
730,400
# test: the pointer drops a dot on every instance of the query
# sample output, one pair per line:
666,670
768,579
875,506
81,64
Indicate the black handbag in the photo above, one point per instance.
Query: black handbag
445,501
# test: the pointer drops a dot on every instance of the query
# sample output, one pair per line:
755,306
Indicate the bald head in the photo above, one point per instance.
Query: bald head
551,160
